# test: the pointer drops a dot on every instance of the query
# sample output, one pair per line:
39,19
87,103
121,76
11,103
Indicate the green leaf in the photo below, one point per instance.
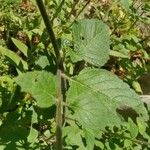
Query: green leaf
72,135
14,59
141,125
21,46
90,139
91,42
99,144
137,87
105,82
7,91
41,85
91,109
42,62
133,128
95,95
15,128
32,138
33,135
126,4
127,143
118,54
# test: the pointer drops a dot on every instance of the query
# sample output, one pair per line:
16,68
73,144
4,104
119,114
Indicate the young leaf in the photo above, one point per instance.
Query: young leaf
14,59
42,62
7,90
127,143
118,54
133,128
141,125
91,42
72,135
41,85
21,46
137,87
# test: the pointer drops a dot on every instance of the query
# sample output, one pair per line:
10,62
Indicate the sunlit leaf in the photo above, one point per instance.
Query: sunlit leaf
13,58
118,54
91,42
21,46
95,95
41,85
132,128
90,139
72,135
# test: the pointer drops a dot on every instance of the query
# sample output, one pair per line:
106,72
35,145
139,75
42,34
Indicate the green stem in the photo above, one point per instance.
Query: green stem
48,27
60,80
59,112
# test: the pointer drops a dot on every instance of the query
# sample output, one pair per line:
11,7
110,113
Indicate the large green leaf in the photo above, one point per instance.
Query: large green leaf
41,85
95,95
91,109
91,42
107,83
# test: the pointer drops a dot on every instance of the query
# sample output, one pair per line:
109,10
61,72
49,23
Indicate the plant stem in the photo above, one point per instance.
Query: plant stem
60,80
59,112
49,27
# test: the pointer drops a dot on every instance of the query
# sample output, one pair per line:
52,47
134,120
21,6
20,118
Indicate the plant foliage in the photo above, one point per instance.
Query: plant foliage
64,93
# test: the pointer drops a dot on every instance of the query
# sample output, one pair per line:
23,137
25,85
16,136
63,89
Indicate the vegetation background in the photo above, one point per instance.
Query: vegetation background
97,40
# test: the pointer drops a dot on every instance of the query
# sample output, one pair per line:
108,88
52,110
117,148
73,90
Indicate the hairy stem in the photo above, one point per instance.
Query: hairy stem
48,27
60,80
59,112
